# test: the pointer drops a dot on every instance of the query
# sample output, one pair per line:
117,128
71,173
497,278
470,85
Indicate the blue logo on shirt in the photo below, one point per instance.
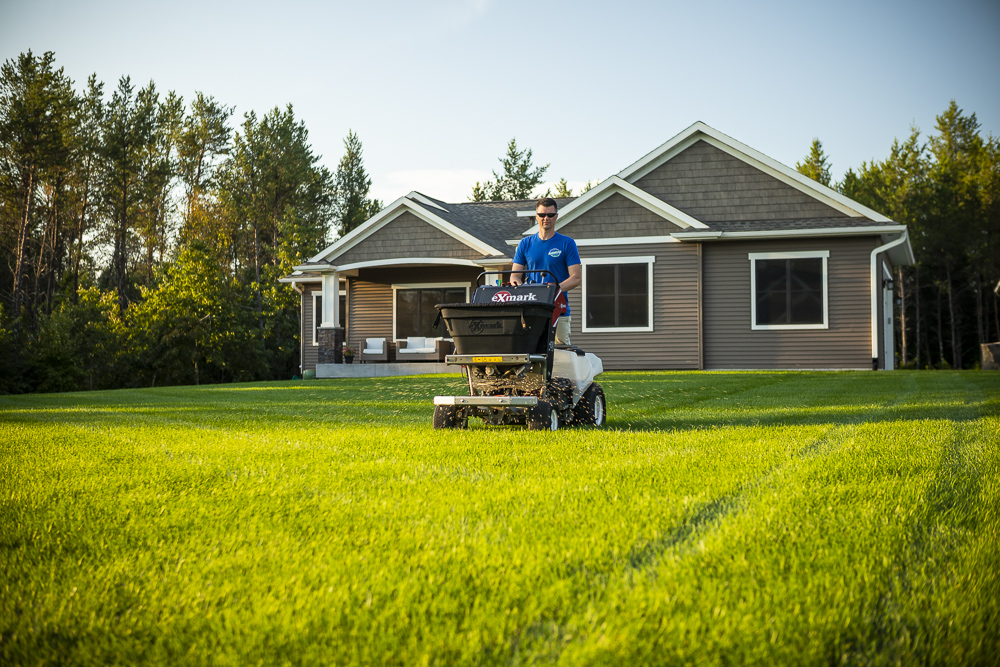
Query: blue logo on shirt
555,252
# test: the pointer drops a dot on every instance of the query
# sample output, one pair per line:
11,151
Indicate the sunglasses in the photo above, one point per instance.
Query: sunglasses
546,215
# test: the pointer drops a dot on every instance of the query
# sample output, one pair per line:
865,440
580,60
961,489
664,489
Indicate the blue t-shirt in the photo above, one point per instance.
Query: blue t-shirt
556,254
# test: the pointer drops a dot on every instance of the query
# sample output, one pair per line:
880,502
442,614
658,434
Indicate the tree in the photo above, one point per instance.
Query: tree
275,200
562,189
129,141
519,178
36,108
816,166
204,138
352,204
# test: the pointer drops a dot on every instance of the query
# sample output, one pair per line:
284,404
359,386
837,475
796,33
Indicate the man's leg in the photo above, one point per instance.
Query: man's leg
562,330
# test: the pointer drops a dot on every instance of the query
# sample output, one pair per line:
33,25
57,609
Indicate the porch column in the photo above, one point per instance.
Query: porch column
331,300
330,334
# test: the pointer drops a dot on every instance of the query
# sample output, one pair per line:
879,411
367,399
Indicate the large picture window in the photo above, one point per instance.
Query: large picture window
789,290
618,294
414,311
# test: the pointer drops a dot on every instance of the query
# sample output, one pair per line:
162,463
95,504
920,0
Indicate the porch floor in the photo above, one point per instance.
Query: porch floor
356,370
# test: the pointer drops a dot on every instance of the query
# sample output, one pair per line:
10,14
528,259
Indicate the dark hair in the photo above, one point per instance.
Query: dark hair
545,202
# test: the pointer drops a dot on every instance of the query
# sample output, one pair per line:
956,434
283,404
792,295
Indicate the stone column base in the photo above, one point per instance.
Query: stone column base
331,345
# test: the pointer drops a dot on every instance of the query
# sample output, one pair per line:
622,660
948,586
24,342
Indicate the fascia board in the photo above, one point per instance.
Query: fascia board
390,213
615,185
792,233
351,239
395,261
741,151
660,154
453,231
423,199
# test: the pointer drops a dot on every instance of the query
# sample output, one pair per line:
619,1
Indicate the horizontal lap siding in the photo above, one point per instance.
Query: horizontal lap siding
730,343
618,216
674,342
310,353
370,296
406,236
713,186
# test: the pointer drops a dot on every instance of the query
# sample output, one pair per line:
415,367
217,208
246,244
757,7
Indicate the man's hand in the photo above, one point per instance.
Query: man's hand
574,280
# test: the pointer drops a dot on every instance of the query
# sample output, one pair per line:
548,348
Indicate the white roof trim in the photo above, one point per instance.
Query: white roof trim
701,131
627,240
395,261
423,199
771,233
390,213
616,185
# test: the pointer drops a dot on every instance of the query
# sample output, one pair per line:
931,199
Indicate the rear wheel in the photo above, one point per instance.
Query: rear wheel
543,418
449,416
592,409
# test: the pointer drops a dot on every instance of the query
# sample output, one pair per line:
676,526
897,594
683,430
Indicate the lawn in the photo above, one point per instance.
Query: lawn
720,518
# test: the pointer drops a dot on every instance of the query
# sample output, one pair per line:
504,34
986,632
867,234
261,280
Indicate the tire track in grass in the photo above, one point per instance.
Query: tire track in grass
951,517
715,510
681,539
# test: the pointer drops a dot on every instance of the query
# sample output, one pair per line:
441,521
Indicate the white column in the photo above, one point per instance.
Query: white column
331,300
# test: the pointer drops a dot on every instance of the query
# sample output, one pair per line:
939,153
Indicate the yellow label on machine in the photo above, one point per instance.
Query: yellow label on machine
487,360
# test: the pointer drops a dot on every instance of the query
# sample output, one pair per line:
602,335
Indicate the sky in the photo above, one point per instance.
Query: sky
436,89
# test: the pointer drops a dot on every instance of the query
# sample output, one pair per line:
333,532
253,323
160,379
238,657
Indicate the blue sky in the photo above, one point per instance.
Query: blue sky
436,89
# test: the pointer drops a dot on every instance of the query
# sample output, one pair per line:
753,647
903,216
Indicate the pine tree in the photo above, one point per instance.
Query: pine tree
520,177
353,206
816,165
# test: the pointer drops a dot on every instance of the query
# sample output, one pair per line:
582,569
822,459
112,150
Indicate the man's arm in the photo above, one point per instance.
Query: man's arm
574,280
515,278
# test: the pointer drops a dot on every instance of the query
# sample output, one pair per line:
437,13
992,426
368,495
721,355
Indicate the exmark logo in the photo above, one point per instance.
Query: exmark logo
507,297
477,327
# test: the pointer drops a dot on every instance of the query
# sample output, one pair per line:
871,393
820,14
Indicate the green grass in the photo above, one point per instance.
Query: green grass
721,518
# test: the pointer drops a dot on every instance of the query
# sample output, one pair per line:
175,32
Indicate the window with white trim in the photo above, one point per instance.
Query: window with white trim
414,312
789,290
617,294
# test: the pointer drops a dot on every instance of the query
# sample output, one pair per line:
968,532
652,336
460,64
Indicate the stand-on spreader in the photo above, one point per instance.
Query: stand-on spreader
504,342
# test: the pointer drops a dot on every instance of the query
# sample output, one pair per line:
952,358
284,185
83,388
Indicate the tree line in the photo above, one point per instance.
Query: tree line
946,188
142,237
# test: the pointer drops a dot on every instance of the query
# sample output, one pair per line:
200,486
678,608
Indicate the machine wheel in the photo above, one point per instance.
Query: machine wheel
592,409
449,416
543,418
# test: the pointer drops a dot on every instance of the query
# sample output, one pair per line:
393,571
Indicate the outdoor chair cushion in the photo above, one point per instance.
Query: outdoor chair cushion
418,345
374,346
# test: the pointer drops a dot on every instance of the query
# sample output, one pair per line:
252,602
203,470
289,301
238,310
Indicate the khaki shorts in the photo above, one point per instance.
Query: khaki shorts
562,330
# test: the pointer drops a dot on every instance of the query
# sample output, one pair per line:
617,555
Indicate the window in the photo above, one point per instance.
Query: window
318,312
414,312
789,290
618,294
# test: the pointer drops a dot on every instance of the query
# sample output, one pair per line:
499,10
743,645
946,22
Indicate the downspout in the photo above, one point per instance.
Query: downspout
302,337
875,291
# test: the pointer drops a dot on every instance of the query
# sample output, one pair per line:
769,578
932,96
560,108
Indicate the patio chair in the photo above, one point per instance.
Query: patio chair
375,349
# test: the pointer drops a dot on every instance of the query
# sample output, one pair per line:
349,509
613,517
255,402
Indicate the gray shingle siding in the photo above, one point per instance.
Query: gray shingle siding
406,236
711,185
618,216
730,343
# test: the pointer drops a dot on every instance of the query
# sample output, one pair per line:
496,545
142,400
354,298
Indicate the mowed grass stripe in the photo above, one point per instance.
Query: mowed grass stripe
736,517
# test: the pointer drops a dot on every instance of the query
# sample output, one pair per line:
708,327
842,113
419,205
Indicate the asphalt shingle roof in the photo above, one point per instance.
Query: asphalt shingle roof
492,222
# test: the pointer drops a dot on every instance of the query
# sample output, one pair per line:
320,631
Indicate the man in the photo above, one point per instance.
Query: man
550,251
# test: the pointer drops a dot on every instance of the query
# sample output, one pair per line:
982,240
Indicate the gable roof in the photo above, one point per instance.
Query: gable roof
615,185
488,227
701,132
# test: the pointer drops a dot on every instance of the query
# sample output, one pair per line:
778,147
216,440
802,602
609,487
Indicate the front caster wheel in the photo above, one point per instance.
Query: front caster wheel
449,416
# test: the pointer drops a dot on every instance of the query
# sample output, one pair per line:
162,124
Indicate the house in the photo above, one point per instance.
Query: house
703,254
